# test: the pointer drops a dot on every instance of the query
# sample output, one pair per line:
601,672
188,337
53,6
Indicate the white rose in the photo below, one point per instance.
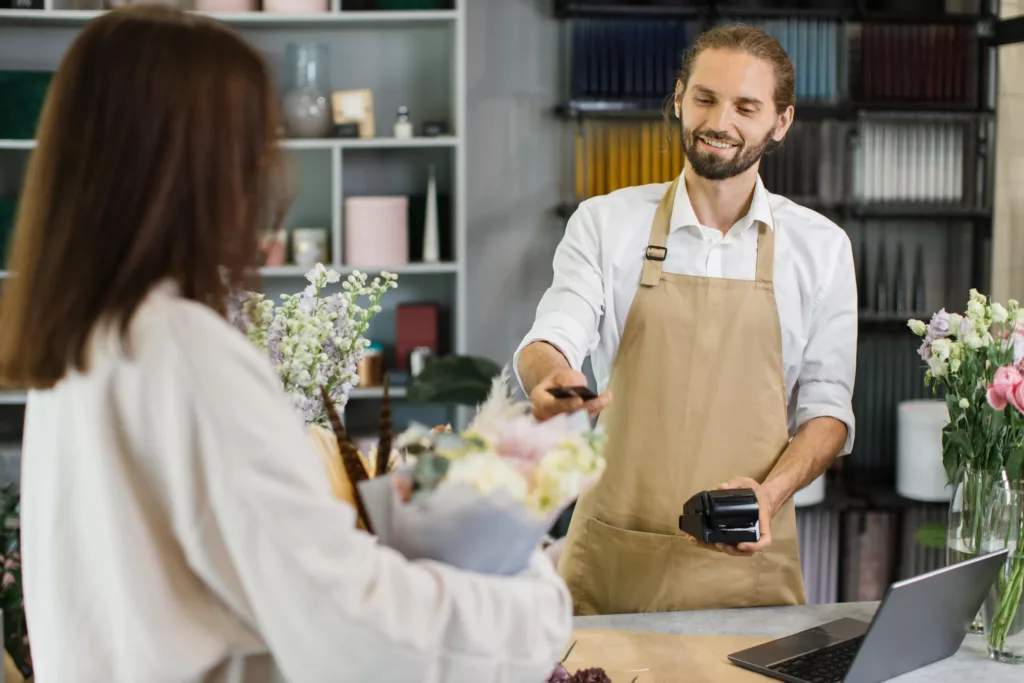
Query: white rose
917,327
972,340
941,349
976,310
955,322
999,314
964,403
486,472
938,367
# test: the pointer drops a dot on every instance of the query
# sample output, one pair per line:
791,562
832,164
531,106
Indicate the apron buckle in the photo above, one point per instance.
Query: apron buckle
656,257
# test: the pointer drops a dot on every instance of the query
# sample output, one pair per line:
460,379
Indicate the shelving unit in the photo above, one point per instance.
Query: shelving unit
406,58
893,140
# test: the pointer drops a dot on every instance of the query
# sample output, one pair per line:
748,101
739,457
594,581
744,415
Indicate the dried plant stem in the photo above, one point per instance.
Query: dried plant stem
384,444
349,457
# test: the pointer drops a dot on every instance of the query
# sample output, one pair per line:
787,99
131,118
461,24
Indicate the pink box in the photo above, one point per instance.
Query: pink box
376,231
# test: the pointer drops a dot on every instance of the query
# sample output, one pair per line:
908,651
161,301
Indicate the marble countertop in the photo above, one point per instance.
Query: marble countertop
970,663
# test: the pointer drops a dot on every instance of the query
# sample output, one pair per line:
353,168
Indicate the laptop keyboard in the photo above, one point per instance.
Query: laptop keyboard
827,665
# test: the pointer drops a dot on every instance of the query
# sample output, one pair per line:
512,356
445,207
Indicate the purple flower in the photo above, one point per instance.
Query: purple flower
926,350
559,675
938,328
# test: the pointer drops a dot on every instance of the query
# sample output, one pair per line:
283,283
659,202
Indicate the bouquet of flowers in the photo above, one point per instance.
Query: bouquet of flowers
315,339
974,357
484,499
977,358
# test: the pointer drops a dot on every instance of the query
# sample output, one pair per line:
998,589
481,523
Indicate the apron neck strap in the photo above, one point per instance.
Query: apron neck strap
765,252
654,258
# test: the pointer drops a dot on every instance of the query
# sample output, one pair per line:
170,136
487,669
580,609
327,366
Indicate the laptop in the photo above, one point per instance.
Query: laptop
920,620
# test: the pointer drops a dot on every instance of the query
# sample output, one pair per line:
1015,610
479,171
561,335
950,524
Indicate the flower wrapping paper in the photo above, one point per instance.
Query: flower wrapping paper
486,533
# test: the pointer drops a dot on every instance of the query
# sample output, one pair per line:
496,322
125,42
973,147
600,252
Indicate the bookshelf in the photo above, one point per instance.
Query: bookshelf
894,140
413,58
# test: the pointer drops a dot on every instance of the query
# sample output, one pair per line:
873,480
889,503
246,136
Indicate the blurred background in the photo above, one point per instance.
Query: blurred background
470,129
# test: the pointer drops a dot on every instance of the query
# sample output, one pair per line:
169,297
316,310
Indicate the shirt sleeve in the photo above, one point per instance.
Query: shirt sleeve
570,311
328,600
825,385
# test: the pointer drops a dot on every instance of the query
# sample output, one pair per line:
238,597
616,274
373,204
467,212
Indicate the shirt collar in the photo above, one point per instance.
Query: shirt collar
683,215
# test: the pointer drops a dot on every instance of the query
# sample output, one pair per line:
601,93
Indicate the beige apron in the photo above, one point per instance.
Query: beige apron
699,398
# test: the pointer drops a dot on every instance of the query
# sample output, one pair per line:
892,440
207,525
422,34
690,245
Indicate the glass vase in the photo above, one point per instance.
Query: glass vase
1004,607
965,526
306,106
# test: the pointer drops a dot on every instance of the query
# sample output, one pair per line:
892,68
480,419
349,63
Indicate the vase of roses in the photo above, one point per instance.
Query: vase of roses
977,360
315,340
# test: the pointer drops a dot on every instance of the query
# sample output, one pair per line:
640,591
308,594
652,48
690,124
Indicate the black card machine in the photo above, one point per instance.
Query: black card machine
722,516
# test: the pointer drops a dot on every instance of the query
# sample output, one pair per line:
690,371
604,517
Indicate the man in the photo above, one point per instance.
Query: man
722,323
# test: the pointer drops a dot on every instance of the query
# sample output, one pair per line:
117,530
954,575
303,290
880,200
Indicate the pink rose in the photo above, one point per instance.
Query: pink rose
1016,397
1005,382
995,399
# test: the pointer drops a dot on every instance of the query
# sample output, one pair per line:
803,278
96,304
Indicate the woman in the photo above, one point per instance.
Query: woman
177,525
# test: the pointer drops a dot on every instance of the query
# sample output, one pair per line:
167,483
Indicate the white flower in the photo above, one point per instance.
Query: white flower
976,310
964,403
955,324
973,340
487,471
917,327
954,365
318,271
941,349
938,368
999,314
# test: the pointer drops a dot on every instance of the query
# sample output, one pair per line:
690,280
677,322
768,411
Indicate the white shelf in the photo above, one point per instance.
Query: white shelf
17,144
410,269
375,392
371,143
325,144
59,17
13,398
18,398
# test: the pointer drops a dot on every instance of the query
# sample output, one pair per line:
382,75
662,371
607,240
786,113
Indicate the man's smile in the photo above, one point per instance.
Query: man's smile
714,145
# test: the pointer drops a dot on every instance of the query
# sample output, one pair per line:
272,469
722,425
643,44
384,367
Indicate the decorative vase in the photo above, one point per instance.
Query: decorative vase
1004,607
307,109
965,527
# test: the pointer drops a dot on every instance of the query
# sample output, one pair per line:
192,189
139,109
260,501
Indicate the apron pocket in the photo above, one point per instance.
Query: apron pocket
780,581
707,578
624,571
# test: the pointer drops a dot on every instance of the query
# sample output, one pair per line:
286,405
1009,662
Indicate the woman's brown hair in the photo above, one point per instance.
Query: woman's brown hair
156,159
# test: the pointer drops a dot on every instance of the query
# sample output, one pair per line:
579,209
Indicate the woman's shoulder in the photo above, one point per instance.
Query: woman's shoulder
189,335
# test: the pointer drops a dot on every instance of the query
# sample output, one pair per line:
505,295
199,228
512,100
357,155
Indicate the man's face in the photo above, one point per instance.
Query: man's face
728,113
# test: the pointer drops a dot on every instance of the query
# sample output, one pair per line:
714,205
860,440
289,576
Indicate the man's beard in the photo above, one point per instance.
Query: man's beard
711,166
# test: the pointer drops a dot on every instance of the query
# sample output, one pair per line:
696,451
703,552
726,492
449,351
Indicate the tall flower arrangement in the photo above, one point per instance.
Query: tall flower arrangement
973,357
313,338
977,359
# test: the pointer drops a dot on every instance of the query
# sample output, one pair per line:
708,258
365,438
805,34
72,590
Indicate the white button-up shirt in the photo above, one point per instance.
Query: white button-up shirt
177,525
597,269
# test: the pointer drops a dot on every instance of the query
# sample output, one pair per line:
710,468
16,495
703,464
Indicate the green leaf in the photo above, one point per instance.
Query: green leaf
1014,461
931,535
959,441
460,380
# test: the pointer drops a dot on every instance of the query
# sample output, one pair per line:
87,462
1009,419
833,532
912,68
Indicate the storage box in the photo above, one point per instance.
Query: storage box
376,232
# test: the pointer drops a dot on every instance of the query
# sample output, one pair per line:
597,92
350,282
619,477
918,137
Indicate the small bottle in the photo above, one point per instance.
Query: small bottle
403,126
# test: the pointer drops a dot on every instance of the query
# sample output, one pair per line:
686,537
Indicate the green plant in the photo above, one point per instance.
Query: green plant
454,379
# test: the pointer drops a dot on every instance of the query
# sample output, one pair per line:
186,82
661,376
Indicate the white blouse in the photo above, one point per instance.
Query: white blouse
178,526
